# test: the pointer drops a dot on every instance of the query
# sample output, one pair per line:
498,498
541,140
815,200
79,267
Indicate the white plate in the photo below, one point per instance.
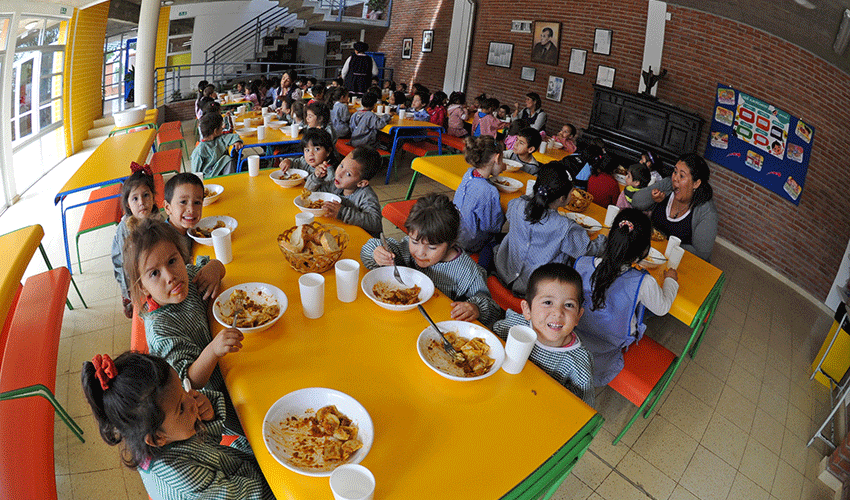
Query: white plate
512,165
217,189
621,178
514,184
437,362
297,403
653,260
208,222
261,293
557,145
410,277
277,124
318,212
275,176
584,220
246,130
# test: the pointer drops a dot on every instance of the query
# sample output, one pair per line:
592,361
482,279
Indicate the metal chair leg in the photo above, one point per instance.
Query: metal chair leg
50,268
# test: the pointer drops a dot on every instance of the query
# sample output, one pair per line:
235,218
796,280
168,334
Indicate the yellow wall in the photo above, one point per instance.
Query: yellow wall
83,73
161,51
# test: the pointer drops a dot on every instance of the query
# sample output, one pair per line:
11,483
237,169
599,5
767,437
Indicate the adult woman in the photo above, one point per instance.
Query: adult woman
359,69
532,113
285,89
682,205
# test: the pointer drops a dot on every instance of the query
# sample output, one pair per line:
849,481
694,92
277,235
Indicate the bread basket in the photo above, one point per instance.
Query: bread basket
314,262
579,200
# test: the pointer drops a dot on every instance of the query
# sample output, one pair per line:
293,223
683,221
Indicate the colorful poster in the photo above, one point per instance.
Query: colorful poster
761,142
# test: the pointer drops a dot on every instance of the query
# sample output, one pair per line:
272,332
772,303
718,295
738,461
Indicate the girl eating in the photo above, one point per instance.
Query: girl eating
318,149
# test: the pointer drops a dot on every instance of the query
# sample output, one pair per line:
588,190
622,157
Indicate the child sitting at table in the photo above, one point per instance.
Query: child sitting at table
340,116
138,197
417,107
170,435
589,159
318,148
350,181
602,185
538,234
616,294
637,178
173,300
430,247
437,113
526,143
318,93
484,123
457,114
317,114
552,308
477,200
365,123
566,137
184,203
212,155
397,100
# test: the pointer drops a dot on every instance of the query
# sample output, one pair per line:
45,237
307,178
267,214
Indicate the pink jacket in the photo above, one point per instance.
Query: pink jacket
490,125
457,116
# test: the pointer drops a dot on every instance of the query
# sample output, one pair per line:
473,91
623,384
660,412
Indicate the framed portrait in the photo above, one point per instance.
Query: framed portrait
407,48
578,59
427,40
546,42
605,76
500,54
555,88
602,42
528,73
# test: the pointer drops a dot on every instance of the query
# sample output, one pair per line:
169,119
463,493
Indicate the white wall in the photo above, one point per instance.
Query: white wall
311,49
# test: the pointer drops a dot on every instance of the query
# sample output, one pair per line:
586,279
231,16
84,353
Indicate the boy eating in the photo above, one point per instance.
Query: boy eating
211,155
553,307
526,143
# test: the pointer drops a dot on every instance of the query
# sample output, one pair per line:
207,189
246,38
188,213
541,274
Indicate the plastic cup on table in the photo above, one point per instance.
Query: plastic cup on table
253,165
612,212
267,118
222,245
672,242
265,109
312,288
261,133
543,146
518,347
302,218
401,114
675,258
529,187
352,482
347,279
293,130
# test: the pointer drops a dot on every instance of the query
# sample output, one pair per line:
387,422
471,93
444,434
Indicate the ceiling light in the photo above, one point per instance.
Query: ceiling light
168,2
843,35
31,25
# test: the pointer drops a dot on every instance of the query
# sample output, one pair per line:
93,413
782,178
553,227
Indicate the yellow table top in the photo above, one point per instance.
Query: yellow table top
551,154
370,353
17,249
110,161
395,122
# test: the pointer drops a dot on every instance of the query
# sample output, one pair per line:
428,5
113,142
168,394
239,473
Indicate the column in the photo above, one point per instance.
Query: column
146,53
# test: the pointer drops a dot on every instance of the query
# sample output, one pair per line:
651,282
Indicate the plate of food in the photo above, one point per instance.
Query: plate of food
262,305
313,247
653,260
512,165
312,202
243,130
481,352
658,235
506,184
579,200
315,430
277,124
202,231
588,223
291,178
211,193
381,286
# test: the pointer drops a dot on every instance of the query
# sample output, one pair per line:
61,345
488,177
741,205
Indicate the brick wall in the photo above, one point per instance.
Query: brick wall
839,462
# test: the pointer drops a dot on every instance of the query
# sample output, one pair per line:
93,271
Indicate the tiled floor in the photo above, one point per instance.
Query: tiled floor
733,425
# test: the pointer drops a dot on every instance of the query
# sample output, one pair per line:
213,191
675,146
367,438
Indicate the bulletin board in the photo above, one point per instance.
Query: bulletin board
761,142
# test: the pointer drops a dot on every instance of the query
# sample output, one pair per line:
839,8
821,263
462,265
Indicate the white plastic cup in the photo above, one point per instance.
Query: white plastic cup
312,287
261,133
612,212
518,347
293,130
672,242
529,187
253,165
267,118
222,245
265,109
347,279
543,146
352,482
401,113
302,218
675,258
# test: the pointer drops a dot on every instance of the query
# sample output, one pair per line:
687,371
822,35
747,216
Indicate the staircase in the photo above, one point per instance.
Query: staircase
99,132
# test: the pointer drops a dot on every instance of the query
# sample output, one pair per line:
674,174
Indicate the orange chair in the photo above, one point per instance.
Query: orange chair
100,214
503,296
169,136
167,161
138,341
397,212
646,361
343,148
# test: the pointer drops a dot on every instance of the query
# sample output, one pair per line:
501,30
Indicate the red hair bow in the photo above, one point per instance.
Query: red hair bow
135,167
104,370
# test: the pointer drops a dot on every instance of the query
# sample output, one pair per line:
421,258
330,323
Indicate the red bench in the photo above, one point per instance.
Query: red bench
504,297
343,147
100,214
167,161
453,142
169,136
397,212
421,148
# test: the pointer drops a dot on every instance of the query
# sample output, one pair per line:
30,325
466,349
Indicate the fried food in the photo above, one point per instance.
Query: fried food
310,239
396,296
579,200
473,359
658,235
501,182
318,441
305,200
206,232
291,176
208,192
257,309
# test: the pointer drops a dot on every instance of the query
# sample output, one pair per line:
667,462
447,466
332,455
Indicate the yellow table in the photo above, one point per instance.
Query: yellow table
395,126
551,154
150,120
488,436
274,137
17,249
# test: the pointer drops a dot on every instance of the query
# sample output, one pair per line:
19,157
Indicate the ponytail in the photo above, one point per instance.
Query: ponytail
628,241
553,182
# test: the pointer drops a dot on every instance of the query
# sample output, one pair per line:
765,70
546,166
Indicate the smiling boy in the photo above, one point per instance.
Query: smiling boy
527,142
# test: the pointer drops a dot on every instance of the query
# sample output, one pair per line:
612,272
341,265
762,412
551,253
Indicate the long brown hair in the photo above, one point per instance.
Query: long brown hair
144,235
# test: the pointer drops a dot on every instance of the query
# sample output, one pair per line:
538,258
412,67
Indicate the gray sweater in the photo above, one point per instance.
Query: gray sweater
364,128
360,208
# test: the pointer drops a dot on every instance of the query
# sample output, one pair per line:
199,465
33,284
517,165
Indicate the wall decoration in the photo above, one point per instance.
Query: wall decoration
760,142
500,54
602,41
578,59
407,48
605,76
521,26
547,36
528,73
427,40
555,88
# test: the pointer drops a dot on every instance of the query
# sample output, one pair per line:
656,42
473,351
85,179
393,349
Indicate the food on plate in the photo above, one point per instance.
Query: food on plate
473,359
501,182
291,176
658,235
305,199
319,441
579,200
397,296
208,192
253,314
206,232
312,239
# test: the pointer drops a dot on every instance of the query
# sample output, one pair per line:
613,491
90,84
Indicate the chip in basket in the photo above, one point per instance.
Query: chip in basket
313,247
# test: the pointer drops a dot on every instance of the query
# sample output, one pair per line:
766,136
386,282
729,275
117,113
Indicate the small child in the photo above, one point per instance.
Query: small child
591,158
437,109
538,233
526,143
432,229
337,82
340,116
256,93
298,92
513,131
653,162
138,197
397,100
318,92
207,95
201,86
297,113
484,123
417,107
504,114
566,136
636,179
365,123
601,184
317,114
169,435
212,156
477,103
478,200
616,294
184,204
552,308
389,85
457,114
350,181
241,87
318,149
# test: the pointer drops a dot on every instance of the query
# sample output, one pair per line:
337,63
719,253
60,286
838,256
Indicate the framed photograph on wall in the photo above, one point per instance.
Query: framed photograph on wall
500,54
528,73
546,42
555,88
605,76
427,40
602,42
578,59
407,48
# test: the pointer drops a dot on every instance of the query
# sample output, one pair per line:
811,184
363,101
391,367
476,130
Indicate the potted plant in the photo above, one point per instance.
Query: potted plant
375,8
129,84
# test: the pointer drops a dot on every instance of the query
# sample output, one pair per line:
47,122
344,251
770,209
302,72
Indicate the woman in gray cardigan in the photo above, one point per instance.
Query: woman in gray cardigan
683,205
